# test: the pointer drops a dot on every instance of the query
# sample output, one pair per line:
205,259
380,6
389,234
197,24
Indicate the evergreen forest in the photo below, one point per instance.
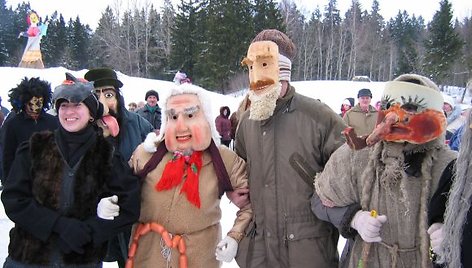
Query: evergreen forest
207,39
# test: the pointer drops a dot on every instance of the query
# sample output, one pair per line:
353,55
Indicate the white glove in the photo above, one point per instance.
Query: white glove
367,226
436,235
226,250
107,208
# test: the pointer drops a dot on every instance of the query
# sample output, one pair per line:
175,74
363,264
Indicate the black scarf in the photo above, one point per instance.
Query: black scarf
73,145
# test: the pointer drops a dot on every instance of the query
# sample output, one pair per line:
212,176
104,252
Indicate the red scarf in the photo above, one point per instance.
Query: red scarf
180,167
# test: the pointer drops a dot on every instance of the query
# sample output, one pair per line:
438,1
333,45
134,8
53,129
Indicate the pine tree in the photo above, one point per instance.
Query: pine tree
188,37
267,16
443,45
227,38
53,47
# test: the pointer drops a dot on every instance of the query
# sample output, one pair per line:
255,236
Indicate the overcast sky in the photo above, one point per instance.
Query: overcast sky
90,11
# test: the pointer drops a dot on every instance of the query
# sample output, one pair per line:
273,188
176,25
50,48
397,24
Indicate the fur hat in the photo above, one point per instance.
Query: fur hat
27,89
151,93
103,77
78,90
204,98
365,92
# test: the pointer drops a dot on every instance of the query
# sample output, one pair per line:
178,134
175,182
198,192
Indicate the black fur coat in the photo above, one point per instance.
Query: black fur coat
39,177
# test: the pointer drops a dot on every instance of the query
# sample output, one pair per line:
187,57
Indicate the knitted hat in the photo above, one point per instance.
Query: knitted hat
151,93
103,77
286,50
77,90
449,100
349,101
286,46
365,92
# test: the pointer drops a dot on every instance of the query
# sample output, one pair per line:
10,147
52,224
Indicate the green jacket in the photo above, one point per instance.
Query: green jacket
287,230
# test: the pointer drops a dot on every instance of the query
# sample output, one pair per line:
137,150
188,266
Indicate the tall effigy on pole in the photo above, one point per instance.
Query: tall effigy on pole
32,57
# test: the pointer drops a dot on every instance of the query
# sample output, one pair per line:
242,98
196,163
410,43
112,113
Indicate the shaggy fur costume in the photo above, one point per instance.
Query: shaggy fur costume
396,179
47,171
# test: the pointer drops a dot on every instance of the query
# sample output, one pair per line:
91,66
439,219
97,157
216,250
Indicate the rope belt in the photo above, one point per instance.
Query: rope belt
394,250
168,241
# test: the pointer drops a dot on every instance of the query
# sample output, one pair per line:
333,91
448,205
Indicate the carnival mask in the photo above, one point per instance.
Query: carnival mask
187,128
108,123
410,113
263,63
34,106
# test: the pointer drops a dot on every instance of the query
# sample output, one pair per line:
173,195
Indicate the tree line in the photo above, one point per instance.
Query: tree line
208,38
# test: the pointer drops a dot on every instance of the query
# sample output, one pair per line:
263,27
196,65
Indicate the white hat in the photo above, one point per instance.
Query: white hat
449,100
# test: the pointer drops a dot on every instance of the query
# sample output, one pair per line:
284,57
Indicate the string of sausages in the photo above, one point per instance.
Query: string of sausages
171,242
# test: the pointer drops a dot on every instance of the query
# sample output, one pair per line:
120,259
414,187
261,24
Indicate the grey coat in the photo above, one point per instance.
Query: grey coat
397,180
287,233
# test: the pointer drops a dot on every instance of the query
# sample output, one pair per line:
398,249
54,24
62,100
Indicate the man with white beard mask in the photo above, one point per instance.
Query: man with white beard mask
286,138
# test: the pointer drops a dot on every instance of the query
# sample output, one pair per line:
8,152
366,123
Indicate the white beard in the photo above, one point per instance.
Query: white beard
263,105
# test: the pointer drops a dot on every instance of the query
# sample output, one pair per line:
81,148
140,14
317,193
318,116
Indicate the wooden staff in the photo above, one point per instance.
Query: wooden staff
366,247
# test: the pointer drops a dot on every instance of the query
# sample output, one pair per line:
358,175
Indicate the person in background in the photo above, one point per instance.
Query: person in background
449,211
346,106
223,125
132,106
391,181
4,110
378,105
151,111
56,182
286,138
132,130
363,116
30,99
184,174
140,105
453,113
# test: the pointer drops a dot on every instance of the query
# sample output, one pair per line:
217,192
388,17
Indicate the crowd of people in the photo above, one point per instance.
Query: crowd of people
141,186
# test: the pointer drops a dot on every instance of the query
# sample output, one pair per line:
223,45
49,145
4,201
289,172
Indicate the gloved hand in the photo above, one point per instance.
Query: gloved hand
107,208
73,233
367,226
436,235
226,250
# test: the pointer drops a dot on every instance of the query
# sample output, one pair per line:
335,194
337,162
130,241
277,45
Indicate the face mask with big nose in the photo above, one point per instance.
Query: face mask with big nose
108,123
263,62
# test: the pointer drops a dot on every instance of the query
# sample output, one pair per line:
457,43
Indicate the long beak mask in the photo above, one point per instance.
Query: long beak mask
410,113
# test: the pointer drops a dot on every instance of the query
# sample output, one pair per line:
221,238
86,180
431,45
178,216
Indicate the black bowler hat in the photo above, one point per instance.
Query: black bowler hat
103,77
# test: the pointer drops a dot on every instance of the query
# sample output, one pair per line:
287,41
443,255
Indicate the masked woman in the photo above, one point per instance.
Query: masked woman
59,178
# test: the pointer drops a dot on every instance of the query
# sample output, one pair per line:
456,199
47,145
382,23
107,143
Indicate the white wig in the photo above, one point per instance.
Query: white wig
186,88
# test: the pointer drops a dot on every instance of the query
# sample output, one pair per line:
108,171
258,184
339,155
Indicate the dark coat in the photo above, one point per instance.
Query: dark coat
18,129
152,117
133,130
286,229
32,200
437,208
